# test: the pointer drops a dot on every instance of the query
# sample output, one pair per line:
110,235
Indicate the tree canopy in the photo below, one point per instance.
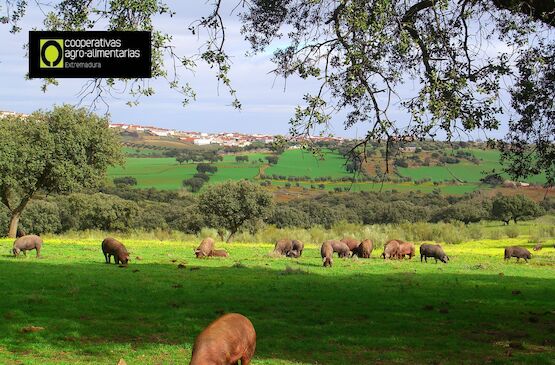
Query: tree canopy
452,67
57,151
234,205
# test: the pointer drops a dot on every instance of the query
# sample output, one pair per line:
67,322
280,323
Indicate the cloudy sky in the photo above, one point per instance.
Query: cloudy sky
268,103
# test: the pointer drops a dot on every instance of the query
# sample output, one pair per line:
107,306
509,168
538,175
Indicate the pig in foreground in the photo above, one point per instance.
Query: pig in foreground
225,341
283,246
205,248
518,252
327,254
113,247
435,251
364,249
391,250
297,248
26,243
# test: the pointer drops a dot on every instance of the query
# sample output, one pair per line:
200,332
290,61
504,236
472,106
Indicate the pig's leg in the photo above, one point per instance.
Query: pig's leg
24,252
38,251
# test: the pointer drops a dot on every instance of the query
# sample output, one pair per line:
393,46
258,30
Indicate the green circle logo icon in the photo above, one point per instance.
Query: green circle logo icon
51,53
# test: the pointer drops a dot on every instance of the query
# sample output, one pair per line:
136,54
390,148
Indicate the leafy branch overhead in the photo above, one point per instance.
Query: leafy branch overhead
403,69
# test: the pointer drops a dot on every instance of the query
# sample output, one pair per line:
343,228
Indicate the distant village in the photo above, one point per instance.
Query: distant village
228,139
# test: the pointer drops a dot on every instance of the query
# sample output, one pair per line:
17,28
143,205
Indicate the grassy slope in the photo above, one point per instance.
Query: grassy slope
302,163
358,312
465,170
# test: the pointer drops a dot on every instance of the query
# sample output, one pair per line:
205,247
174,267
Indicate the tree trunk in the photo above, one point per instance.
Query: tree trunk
230,235
14,221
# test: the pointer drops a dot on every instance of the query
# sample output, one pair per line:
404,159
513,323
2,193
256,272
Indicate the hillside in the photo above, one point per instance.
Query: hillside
300,173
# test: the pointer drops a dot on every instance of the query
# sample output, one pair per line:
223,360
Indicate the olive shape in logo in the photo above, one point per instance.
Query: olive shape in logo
45,47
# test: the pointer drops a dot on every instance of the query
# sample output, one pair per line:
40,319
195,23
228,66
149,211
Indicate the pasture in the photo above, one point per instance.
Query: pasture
476,309
465,170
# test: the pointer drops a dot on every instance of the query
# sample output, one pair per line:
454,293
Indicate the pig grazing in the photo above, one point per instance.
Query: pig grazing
26,243
219,253
518,252
341,248
205,248
113,247
538,247
327,253
225,341
435,251
364,249
297,248
351,243
406,248
391,250
283,246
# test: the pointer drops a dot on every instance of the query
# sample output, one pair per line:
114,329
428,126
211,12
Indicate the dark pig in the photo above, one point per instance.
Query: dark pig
435,251
538,247
225,341
205,248
113,247
326,251
26,243
518,252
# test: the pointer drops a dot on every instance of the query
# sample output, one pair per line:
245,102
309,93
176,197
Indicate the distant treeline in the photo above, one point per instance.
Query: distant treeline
123,208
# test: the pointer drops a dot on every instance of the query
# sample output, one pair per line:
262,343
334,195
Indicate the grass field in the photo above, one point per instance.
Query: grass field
303,163
465,170
477,309
167,173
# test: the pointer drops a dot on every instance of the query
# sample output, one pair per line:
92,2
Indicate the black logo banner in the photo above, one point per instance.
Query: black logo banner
91,54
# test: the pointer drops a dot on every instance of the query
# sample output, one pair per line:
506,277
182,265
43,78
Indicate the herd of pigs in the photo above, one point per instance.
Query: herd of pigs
232,337
393,249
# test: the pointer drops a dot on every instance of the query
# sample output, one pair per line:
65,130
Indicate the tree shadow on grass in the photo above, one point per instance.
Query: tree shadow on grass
313,317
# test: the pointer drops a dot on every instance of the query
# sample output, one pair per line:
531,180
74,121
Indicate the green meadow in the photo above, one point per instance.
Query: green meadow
302,163
476,309
166,173
465,170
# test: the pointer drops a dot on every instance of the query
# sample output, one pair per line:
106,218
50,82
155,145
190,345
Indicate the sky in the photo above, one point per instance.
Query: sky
268,103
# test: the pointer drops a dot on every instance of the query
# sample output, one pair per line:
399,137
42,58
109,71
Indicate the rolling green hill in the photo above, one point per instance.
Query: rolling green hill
304,171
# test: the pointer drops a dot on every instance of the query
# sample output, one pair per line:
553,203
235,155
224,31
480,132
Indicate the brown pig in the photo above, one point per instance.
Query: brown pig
283,246
327,253
113,247
205,248
341,248
219,253
364,250
26,243
225,341
351,243
297,248
391,250
405,248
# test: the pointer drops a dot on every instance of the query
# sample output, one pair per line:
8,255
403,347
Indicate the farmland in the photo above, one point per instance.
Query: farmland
295,166
476,309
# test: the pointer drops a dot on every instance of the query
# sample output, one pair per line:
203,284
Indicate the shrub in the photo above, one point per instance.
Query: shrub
41,216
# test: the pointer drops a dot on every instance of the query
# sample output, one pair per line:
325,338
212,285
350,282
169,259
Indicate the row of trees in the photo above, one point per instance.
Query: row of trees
232,207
